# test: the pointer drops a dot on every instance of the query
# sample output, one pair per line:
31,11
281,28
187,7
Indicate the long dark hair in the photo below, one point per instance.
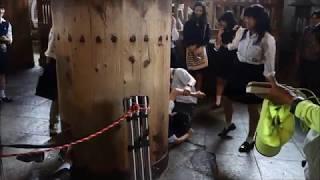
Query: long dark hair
263,24
203,19
229,18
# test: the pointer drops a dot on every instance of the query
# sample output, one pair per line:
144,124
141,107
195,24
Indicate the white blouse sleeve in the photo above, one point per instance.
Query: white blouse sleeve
235,42
269,55
175,34
185,77
9,34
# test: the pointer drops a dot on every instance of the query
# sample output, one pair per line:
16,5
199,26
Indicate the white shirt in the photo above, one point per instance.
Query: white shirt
180,79
51,51
171,106
3,46
174,32
251,53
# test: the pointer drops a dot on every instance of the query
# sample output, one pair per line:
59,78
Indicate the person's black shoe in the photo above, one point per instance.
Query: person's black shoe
6,100
246,147
215,107
35,157
225,131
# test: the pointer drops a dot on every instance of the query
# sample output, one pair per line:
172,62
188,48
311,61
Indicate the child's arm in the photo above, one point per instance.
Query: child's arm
180,92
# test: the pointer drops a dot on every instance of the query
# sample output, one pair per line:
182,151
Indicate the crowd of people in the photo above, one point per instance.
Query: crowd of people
244,53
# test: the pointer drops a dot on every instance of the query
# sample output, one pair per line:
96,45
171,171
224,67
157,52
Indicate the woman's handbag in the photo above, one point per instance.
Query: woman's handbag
197,61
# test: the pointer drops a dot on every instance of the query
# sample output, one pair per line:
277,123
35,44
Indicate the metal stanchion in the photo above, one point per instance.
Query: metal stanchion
139,135
145,129
139,138
127,106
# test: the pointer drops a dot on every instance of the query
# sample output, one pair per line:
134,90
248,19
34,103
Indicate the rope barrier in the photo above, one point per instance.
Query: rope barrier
135,108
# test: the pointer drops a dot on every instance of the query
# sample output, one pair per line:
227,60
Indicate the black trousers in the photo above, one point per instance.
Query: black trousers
186,108
175,61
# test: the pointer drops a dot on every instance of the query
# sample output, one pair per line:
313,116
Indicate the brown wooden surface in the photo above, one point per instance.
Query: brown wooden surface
95,76
21,53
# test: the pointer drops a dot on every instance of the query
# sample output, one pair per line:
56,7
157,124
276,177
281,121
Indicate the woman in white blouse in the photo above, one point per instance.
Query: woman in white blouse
255,62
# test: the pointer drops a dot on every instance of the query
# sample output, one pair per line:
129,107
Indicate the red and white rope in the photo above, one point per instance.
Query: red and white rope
134,109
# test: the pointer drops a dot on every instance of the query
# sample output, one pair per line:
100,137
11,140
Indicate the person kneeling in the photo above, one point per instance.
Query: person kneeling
180,122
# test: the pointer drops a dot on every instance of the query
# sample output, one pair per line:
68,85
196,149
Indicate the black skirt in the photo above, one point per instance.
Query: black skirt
3,62
47,84
179,124
224,63
242,74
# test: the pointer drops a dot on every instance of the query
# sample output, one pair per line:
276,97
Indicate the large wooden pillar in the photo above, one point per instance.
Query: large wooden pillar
107,50
21,54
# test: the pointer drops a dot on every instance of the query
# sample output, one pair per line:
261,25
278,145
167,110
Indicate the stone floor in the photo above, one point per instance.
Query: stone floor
26,121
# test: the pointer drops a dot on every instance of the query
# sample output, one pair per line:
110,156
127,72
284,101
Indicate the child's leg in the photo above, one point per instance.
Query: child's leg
184,137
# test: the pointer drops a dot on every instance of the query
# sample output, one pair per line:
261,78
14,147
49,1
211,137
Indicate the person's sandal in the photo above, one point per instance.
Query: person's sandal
225,131
246,147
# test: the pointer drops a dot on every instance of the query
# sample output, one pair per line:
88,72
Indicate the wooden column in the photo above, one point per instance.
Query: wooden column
108,50
21,53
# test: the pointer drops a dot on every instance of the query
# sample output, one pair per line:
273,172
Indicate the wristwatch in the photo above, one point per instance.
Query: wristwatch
295,103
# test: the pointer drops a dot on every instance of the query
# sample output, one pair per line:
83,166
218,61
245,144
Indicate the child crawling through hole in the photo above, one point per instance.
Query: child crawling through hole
180,122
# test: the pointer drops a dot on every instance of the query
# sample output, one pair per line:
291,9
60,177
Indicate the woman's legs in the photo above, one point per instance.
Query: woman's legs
2,85
199,78
228,112
219,90
248,145
254,115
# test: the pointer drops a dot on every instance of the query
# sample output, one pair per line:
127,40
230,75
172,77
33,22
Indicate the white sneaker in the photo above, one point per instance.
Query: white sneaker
172,139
